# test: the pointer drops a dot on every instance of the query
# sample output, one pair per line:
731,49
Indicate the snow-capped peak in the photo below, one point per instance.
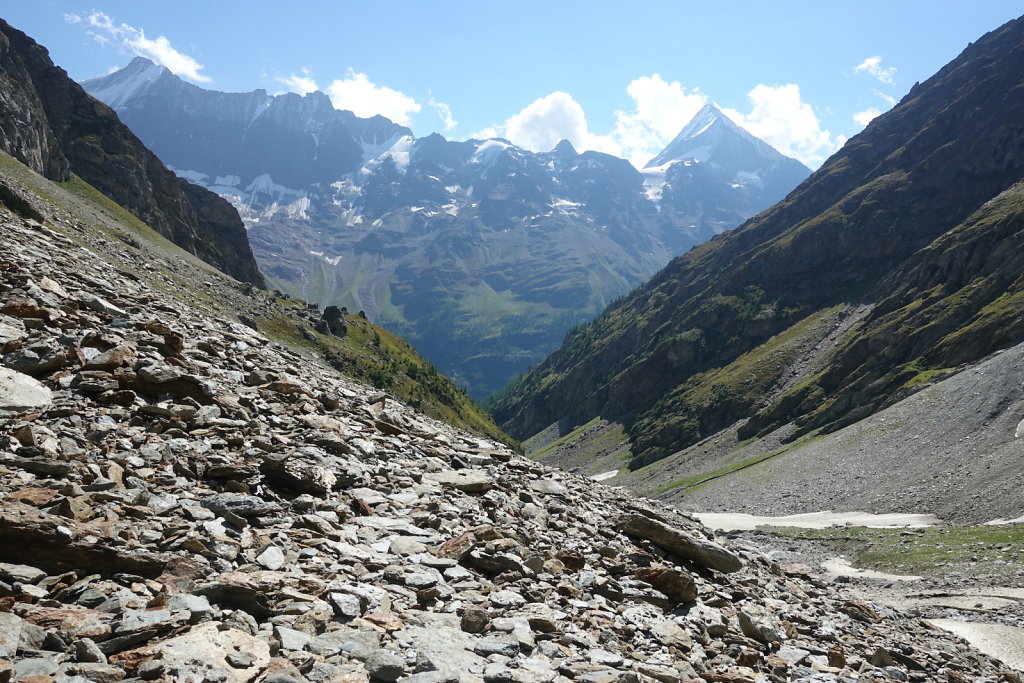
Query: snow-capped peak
712,137
121,86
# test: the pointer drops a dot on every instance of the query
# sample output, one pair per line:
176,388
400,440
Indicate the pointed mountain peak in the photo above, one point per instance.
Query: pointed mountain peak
712,137
564,149
118,87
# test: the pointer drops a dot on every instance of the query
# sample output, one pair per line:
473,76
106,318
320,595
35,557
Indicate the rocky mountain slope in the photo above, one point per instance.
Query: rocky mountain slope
344,341
481,253
49,123
184,498
893,265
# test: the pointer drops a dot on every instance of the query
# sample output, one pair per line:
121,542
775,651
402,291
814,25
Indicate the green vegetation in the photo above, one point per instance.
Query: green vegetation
713,399
928,551
698,480
572,436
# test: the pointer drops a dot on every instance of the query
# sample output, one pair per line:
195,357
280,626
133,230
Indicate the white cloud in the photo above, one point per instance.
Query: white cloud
661,109
780,117
889,99
548,120
873,67
444,112
865,117
104,30
487,133
301,83
364,98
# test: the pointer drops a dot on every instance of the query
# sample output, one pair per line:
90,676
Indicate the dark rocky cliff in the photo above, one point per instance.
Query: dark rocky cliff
48,122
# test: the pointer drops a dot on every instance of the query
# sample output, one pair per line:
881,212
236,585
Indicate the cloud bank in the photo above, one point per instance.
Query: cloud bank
778,115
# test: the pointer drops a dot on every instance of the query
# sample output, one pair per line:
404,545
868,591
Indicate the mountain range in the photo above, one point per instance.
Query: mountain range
895,265
483,254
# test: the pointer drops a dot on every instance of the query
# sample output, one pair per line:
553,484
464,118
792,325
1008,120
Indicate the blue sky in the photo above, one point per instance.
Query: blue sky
802,75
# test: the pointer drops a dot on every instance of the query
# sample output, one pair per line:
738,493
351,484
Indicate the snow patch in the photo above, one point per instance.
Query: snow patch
654,182
745,179
122,88
228,180
374,150
335,260
399,153
191,176
487,151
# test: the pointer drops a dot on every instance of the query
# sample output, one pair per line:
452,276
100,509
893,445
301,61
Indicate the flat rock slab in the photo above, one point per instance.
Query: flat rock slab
676,541
205,650
467,481
19,392
439,638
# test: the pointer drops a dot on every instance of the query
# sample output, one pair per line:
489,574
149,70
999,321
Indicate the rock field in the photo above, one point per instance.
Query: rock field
183,500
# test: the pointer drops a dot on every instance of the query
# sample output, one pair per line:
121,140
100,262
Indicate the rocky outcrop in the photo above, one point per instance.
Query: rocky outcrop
201,503
49,123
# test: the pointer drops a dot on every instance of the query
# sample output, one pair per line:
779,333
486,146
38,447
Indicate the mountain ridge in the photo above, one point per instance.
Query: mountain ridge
479,252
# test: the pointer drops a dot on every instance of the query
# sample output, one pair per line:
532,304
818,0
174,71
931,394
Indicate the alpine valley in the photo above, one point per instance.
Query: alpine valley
858,345
481,253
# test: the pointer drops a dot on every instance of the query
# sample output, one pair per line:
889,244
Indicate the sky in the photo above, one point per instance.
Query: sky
623,79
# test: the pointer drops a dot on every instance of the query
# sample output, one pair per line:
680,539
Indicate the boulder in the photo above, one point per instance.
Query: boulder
687,546
21,393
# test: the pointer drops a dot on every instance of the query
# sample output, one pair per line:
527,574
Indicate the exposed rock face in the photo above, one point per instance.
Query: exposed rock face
49,123
172,515
908,232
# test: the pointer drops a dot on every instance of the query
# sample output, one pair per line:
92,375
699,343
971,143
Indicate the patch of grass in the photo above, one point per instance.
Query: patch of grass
698,480
553,447
929,551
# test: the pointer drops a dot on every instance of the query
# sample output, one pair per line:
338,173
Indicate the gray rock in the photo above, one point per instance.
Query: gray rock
10,633
101,305
291,639
506,599
21,573
384,666
87,651
686,546
21,393
468,481
239,505
358,644
506,647
756,624
272,558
